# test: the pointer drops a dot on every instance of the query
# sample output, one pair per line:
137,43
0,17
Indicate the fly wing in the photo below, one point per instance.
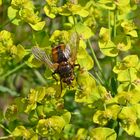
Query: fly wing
67,51
73,45
42,57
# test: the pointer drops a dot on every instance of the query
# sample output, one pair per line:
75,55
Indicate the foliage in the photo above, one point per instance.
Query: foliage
103,101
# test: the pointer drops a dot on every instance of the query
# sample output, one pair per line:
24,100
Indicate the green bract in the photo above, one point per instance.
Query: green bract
103,117
130,123
22,4
33,98
107,133
106,45
129,28
7,46
86,89
53,126
24,10
127,72
52,10
21,131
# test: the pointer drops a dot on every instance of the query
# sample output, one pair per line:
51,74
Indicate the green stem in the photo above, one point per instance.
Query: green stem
40,77
129,87
13,70
34,38
7,130
115,16
94,56
109,24
98,65
101,81
95,59
6,137
74,20
9,21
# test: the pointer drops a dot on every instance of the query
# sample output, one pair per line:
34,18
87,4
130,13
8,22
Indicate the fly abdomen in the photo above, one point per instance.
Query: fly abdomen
65,69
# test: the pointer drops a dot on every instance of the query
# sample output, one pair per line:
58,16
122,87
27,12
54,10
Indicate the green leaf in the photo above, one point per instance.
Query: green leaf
129,28
124,43
19,52
41,92
123,2
6,39
52,3
33,117
131,97
127,75
83,30
102,117
30,107
81,134
11,112
133,33
130,123
40,111
24,4
66,116
32,62
50,126
72,9
104,34
34,137
42,39
77,9
85,92
125,86
102,133
59,36
48,11
109,5
0,2
108,48
119,67
38,26
29,16
10,91
21,131
84,59
67,26
131,61
12,14
32,100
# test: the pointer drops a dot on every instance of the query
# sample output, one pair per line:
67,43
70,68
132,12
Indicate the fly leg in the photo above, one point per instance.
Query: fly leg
61,86
53,75
76,77
77,65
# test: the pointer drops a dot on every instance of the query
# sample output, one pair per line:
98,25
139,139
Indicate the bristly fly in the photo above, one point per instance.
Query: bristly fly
63,59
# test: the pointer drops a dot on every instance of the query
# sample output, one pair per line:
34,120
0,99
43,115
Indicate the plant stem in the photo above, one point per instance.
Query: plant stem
109,24
34,38
98,65
5,129
40,77
13,70
114,30
101,81
94,56
6,137
9,21
74,20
